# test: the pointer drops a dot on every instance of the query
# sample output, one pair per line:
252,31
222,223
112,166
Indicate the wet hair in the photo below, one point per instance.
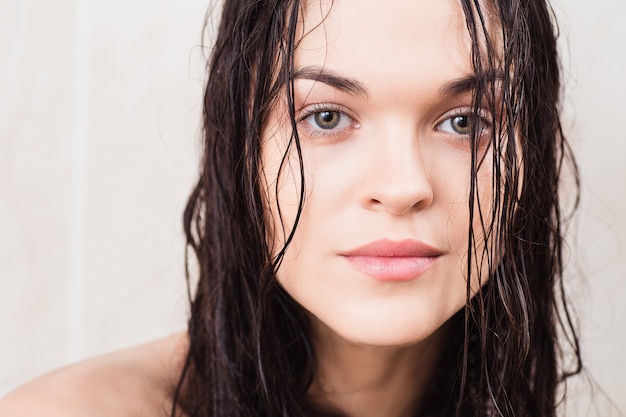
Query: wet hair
510,349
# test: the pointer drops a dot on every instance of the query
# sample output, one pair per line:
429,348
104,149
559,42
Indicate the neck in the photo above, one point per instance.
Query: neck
364,381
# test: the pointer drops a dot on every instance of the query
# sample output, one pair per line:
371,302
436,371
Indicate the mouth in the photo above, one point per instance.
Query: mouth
394,261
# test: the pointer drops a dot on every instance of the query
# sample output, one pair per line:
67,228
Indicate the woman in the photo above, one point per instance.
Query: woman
376,225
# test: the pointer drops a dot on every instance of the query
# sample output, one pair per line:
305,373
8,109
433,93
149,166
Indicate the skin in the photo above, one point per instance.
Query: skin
135,382
384,158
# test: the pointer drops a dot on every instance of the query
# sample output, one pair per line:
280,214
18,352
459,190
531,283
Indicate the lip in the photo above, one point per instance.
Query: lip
388,260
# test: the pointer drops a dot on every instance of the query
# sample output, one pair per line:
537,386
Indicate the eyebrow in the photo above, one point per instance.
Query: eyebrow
454,87
468,83
345,84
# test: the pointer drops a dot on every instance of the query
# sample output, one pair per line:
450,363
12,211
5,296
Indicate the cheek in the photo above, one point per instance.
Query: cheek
281,183
455,190
486,221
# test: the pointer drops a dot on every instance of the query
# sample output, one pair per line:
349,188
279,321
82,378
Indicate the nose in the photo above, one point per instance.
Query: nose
398,180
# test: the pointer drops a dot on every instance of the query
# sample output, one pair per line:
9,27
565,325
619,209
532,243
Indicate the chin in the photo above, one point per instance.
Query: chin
384,332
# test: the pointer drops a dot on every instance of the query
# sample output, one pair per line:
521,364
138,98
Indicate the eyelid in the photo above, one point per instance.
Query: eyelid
310,109
483,114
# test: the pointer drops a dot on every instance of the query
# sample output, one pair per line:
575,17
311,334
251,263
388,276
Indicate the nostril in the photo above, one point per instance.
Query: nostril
399,201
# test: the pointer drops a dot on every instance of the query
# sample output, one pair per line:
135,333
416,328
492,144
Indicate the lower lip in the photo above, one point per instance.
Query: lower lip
392,268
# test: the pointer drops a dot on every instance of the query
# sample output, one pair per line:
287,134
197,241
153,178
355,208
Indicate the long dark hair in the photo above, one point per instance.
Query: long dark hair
249,348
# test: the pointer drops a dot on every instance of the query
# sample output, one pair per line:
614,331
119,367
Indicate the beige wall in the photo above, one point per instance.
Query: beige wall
99,107
593,48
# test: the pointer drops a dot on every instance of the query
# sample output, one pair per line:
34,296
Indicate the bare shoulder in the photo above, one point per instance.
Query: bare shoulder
135,382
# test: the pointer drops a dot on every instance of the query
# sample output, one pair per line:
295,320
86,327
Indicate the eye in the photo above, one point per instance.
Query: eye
326,120
463,123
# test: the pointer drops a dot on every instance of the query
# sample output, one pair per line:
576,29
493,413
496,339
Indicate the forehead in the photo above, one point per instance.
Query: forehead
396,41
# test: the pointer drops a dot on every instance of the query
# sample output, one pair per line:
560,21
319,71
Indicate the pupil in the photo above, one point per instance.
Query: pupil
327,119
327,116
461,124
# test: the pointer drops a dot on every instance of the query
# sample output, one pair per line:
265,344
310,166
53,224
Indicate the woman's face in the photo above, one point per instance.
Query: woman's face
383,109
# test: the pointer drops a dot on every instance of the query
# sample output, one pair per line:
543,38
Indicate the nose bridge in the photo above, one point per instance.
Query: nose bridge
400,176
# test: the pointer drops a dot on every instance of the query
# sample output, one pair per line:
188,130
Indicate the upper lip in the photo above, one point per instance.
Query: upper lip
407,248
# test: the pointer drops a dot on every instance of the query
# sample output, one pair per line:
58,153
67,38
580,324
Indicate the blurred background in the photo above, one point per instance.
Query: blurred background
99,120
